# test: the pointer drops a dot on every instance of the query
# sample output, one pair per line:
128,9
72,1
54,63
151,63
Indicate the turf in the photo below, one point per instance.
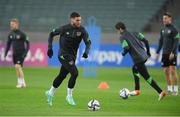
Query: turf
31,101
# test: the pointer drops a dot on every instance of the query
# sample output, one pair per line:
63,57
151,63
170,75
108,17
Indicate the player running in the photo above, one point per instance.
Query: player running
131,43
169,42
70,37
20,46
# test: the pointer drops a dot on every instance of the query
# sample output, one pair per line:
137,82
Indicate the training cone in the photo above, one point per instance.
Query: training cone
103,85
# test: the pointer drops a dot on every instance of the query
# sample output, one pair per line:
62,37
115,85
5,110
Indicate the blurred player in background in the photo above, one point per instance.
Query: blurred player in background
131,43
71,36
20,47
169,42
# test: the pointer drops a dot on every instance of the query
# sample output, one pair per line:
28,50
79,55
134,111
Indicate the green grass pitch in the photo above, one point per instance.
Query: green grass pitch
31,101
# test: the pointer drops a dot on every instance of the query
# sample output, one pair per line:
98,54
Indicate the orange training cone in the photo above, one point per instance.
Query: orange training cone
103,85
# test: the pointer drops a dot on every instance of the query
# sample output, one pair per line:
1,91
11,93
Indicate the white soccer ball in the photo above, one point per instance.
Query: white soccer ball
124,93
93,105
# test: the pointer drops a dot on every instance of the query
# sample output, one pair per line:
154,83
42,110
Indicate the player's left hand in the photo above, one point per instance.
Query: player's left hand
171,56
50,53
24,55
85,55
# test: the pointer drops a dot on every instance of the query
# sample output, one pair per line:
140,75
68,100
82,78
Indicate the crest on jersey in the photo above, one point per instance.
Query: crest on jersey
18,36
78,34
71,62
67,33
11,36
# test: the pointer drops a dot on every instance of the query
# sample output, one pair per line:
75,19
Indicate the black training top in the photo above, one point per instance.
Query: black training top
168,39
70,38
19,41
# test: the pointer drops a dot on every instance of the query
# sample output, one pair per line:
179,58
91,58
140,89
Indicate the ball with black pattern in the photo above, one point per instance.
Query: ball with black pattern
93,105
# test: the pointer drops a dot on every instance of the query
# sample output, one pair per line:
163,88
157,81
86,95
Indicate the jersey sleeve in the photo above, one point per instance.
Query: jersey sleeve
86,40
125,46
27,43
54,32
160,44
176,37
8,45
142,38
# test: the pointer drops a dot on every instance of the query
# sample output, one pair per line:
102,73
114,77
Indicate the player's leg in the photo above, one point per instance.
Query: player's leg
56,83
58,80
143,71
168,79
136,81
174,75
18,61
166,69
175,79
72,81
22,76
69,64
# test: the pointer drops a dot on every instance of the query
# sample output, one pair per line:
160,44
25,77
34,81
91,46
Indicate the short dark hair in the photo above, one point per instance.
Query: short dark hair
74,14
167,14
15,20
120,25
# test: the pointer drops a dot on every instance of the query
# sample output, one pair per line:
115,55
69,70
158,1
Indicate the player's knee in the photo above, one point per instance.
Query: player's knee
62,75
75,74
134,69
17,66
166,71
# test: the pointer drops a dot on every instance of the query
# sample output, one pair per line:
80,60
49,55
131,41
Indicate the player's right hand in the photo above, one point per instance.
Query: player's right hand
50,53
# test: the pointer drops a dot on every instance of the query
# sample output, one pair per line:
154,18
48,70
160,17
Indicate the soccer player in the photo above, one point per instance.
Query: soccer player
71,36
131,43
20,47
169,42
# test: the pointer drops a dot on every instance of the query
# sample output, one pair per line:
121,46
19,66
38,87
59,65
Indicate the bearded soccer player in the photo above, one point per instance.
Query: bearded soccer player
168,42
71,36
131,43
20,47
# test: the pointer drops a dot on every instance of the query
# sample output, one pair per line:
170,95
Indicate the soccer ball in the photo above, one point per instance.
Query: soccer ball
124,93
93,105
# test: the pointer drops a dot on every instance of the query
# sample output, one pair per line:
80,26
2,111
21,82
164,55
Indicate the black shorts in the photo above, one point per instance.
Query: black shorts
18,59
165,62
67,60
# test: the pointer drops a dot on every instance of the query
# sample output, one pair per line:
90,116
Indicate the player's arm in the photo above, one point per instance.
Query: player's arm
176,38
87,42
160,44
55,32
146,43
27,46
8,45
125,47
